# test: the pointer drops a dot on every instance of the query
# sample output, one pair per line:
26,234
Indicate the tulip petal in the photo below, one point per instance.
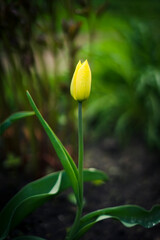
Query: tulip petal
73,82
83,82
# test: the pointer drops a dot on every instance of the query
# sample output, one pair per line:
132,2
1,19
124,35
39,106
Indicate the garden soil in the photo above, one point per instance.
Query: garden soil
134,178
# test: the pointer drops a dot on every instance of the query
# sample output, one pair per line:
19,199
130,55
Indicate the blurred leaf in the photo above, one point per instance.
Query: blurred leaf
64,157
14,117
35,194
122,125
71,198
11,161
98,182
129,216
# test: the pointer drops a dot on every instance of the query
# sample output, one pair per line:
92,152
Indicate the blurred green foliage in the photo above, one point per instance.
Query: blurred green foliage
40,44
12,162
125,98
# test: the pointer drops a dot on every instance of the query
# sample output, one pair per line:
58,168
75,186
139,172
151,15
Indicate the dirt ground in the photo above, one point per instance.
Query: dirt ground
134,178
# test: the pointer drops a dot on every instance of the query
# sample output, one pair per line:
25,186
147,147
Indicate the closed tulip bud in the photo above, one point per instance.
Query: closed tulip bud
81,82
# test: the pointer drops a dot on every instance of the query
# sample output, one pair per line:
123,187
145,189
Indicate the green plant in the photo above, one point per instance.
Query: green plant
126,98
36,193
14,117
32,31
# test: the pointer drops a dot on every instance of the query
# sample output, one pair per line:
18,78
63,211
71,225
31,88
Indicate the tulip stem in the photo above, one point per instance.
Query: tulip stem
80,151
80,175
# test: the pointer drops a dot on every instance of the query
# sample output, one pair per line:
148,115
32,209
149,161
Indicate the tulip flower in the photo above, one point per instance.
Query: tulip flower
80,90
81,82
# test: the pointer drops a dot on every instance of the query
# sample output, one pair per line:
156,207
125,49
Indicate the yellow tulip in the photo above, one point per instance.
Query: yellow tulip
81,82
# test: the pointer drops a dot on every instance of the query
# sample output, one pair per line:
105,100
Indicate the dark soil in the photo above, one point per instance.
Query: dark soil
134,178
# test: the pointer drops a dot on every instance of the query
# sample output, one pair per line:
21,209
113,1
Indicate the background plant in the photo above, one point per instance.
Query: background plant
127,93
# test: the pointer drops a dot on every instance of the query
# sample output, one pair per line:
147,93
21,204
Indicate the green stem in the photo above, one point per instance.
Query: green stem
74,228
75,225
80,151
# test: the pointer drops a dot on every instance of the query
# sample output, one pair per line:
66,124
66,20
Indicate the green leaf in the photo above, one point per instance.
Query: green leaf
71,198
35,194
128,215
28,238
14,117
64,157
92,174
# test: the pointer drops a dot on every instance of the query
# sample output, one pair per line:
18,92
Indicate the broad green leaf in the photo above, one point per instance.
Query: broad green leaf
64,157
92,174
28,238
128,215
35,194
14,117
